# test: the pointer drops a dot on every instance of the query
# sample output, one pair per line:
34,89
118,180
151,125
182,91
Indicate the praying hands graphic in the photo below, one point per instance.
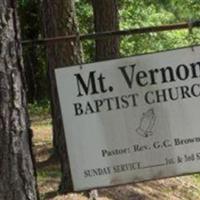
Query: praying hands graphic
147,123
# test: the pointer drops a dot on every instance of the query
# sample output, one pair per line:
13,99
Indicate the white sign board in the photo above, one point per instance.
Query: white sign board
132,119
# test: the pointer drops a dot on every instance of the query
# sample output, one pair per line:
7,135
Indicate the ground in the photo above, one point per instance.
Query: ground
179,188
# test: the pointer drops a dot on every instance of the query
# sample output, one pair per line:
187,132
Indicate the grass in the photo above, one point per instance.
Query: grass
39,108
40,112
44,174
48,169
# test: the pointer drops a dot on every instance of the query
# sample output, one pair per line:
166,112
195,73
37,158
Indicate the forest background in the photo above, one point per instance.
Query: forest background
132,14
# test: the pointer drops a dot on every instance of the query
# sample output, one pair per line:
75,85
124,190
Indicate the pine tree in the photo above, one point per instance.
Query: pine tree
17,175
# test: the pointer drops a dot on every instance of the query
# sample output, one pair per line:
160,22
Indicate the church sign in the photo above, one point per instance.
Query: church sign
132,119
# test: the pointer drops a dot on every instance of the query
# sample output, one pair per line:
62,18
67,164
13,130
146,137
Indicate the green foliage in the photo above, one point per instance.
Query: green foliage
85,21
182,9
34,55
85,16
136,14
23,3
30,21
39,108
44,174
133,14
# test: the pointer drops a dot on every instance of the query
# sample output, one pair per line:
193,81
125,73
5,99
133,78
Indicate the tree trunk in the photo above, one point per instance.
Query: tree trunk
59,19
106,19
17,177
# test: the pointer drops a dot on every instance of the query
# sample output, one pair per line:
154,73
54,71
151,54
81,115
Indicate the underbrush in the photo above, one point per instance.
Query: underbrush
40,112
40,108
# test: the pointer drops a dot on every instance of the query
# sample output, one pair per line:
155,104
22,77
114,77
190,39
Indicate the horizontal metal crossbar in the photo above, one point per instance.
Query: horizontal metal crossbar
94,36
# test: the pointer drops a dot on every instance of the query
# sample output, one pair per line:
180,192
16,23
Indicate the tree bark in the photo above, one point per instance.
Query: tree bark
59,19
17,173
106,19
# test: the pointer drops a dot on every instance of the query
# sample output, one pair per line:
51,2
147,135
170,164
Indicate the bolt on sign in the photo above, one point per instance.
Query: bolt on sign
132,119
